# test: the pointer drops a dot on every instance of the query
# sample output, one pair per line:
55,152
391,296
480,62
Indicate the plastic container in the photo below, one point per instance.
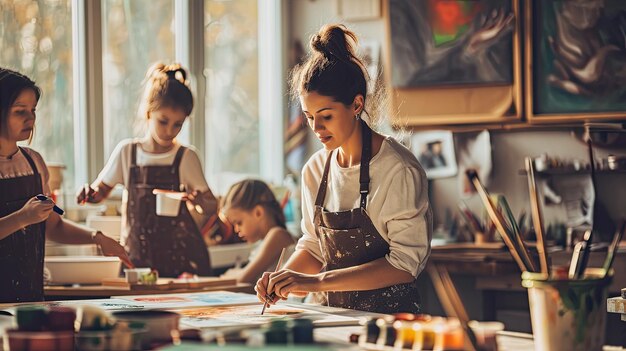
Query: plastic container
81,269
168,202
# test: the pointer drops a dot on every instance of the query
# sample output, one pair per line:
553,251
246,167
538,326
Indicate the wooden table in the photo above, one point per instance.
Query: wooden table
99,291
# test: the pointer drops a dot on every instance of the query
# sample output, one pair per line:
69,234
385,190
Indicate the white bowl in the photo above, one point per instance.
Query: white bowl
79,213
111,226
81,269
229,255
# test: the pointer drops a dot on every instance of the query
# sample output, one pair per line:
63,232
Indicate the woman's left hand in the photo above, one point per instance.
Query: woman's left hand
285,282
111,247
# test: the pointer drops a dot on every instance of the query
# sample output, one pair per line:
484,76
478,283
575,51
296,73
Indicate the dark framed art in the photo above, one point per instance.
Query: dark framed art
454,62
451,42
575,60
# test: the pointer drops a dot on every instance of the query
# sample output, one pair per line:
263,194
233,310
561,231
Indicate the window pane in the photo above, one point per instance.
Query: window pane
231,68
136,34
36,40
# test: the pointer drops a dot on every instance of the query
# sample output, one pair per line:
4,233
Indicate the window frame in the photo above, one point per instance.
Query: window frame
189,47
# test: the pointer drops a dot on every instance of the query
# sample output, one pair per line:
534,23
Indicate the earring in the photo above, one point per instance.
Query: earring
357,117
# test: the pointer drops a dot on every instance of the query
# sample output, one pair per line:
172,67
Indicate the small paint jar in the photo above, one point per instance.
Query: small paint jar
387,335
302,331
277,332
31,318
451,336
61,318
371,330
430,330
409,335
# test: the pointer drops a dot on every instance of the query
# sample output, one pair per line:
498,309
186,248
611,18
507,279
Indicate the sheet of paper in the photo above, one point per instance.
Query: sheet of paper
204,299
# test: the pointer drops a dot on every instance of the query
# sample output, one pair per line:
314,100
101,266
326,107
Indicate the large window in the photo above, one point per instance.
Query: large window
232,98
90,58
135,34
36,40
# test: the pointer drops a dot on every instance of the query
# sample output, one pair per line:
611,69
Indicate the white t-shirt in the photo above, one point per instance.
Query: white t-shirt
117,169
397,202
18,166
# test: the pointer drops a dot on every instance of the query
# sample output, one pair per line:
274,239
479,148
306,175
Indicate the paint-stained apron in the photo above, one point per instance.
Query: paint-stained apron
21,253
171,245
349,238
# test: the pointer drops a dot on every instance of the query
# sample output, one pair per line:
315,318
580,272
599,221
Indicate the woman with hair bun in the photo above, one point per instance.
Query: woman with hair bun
171,245
367,222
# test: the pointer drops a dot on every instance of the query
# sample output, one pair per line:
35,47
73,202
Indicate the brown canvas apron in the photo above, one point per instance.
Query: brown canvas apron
349,238
21,253
171,245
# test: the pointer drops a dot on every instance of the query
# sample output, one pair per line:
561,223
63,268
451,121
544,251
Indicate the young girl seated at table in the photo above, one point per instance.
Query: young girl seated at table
256,215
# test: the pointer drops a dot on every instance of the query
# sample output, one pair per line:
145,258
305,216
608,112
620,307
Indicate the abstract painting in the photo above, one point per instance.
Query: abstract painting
451,42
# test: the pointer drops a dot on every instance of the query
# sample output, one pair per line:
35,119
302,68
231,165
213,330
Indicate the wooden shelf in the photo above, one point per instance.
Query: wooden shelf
567,172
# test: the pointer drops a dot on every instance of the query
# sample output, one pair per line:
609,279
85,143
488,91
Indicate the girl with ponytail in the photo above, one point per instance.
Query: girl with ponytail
171,245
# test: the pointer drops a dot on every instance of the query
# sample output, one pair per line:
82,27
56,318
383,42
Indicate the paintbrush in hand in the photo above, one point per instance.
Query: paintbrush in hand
270,297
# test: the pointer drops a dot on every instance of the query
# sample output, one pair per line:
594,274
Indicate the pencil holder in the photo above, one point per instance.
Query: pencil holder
568,314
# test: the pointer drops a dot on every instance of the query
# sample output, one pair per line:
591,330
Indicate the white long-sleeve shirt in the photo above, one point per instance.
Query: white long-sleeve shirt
397,203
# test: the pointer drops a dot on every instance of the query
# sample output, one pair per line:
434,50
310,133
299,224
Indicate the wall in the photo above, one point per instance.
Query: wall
305,17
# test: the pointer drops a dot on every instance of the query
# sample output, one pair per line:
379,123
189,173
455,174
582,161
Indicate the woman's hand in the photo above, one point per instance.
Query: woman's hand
35,211
111,247
286,281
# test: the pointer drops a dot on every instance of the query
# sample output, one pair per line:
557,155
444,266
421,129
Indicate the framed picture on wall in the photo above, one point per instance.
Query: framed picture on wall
454,62
451,42
575,60
435,152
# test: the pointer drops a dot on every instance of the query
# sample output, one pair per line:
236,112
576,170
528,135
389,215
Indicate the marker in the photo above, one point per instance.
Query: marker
56,208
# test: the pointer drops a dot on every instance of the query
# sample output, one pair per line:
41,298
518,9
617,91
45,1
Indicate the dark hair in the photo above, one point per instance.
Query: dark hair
333,68
249,193
12,84
166,86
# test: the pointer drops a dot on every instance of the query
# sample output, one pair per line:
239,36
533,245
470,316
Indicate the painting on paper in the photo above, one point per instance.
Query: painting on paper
229,316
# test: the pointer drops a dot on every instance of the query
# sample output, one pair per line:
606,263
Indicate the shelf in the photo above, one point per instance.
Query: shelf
567,172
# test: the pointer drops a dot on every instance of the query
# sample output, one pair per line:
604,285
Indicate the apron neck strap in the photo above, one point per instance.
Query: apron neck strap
364,179
133,155
32,164
366,156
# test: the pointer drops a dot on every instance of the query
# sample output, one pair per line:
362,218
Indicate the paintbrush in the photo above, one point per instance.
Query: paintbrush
270,297
610,256
537,217
499,221
517,234
580,257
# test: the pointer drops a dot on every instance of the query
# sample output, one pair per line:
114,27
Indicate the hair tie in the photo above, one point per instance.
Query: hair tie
171,74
